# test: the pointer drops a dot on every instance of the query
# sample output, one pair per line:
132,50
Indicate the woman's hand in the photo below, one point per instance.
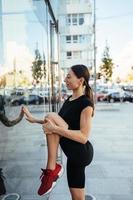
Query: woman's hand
21,112
28,115
48,126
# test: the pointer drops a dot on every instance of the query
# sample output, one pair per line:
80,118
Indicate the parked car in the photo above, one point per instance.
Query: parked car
100,95
7,99
128,88
113,97
19,92
45,94
128,96
31,99
2,103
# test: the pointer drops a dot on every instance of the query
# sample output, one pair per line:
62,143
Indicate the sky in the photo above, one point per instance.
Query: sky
21,33
114,24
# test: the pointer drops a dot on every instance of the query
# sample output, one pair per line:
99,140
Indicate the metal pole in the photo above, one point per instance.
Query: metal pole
94,29
59,67
48,58
14,73
52,65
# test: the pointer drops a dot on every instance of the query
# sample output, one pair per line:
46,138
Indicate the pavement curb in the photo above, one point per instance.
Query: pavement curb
107,107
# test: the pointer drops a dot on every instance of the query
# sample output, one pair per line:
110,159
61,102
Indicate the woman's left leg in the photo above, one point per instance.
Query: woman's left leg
77,194
76,181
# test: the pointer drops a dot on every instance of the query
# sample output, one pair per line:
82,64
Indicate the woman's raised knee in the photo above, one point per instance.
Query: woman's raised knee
51,115
57,119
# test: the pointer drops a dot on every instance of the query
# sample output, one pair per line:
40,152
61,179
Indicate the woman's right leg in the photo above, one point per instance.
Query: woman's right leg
52,149
57,119
53,140
53,170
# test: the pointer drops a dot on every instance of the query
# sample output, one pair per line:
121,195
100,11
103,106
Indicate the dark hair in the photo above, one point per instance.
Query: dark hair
82,71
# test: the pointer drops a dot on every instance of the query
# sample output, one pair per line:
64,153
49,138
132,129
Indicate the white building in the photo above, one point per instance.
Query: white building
75,27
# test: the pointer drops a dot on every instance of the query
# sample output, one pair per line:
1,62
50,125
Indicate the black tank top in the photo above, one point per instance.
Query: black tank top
71,111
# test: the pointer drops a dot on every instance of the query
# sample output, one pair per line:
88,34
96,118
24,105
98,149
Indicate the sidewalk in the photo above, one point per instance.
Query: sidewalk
109,177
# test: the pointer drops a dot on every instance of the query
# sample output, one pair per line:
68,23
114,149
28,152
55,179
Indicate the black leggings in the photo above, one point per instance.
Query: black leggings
75,175
78,157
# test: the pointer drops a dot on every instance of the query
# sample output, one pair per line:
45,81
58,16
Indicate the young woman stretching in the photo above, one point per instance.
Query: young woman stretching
71,129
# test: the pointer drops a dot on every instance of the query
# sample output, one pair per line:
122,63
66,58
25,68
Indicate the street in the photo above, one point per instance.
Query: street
109,177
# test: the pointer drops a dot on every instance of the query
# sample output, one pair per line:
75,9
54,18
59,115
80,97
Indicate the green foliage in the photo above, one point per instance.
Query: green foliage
38,67
106,69
98,75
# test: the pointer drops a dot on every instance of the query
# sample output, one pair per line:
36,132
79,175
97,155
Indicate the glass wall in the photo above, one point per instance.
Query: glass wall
29,49
29,75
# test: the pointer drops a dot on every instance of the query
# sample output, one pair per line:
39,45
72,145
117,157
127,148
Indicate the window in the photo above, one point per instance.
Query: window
68,39
75,39
81,19
81,38
74,19
68,20
76,54
69,54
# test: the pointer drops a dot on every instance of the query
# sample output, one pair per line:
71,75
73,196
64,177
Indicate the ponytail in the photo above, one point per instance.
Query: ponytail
89,94
81,71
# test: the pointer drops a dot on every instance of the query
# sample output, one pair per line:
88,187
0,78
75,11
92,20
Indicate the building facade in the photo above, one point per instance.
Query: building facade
76,31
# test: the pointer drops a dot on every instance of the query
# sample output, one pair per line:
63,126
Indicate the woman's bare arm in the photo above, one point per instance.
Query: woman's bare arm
81,135
30,117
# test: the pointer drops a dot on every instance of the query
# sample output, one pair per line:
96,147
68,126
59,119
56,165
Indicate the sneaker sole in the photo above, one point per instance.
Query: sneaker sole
61,171
53,185
55,182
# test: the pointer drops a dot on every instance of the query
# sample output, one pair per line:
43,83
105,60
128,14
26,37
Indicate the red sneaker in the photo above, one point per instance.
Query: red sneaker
58,171
49,178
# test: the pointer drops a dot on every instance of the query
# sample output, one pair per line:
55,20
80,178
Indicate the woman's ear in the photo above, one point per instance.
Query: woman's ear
82,80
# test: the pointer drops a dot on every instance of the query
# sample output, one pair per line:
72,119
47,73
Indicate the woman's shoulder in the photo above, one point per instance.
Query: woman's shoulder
85,101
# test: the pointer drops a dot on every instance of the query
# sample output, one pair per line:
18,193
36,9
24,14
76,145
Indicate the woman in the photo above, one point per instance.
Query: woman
71,129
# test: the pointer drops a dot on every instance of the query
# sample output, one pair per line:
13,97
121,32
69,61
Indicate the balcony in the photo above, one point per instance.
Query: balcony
75,8
73,30
69,62
75,47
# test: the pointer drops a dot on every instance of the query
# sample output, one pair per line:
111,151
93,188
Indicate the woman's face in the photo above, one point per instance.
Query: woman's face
71,80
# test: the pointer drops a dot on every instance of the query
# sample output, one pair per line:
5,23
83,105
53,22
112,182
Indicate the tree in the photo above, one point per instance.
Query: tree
98,75
2,81
106,69
130,74
38,67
